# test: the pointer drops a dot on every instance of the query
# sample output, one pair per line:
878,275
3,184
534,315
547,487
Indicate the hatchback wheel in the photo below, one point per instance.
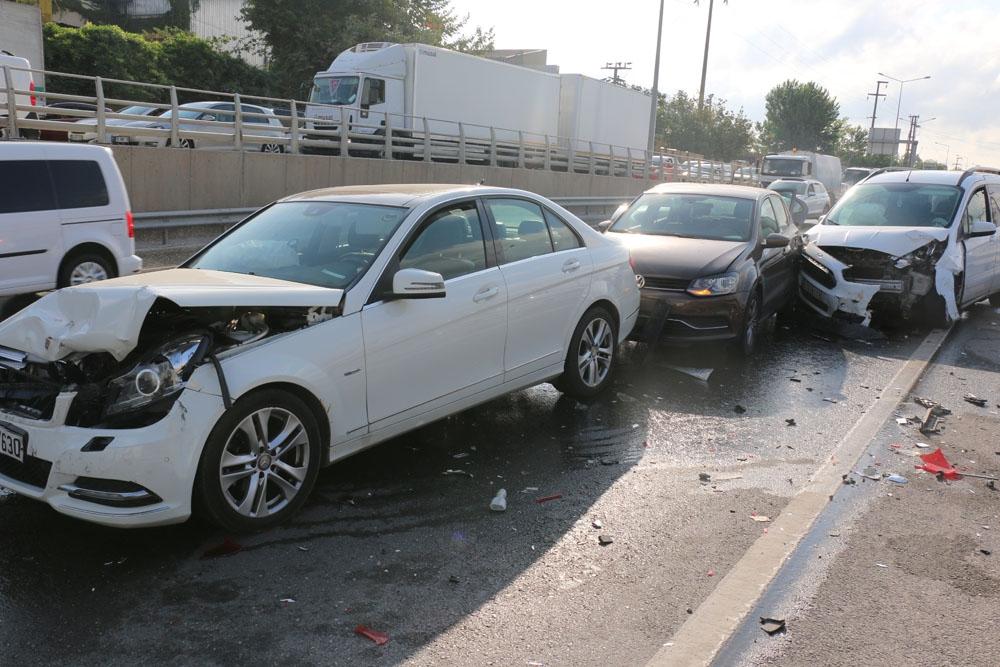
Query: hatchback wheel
592,355
260,462
747,343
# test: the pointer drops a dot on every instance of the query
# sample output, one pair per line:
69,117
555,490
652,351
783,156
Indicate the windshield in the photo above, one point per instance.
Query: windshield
896,205
329,244
688,216
852,176
784,167
334,90
789,187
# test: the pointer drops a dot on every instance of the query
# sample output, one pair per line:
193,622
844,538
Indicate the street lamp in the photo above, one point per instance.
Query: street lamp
901,82
947,152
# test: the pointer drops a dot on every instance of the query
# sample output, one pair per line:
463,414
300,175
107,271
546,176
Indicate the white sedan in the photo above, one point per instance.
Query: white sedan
321,325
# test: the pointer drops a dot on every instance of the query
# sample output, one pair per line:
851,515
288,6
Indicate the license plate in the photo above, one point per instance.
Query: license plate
120,140
13,442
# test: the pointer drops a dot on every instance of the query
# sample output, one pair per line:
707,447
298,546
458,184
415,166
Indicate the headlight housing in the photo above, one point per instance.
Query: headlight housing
158,379
725,283
924,254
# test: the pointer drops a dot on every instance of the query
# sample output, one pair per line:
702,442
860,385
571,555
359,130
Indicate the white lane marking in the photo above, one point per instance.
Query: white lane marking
701,636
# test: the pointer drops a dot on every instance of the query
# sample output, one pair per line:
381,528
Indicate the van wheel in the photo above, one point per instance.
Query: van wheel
83,268
260,462
592,355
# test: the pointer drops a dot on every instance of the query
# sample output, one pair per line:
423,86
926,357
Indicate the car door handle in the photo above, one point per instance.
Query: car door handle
486,293
571,265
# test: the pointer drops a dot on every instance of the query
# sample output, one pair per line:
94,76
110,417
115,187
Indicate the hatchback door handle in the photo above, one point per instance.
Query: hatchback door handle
571,265
486,293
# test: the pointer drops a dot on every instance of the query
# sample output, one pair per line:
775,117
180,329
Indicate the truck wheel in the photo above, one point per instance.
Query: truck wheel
260,462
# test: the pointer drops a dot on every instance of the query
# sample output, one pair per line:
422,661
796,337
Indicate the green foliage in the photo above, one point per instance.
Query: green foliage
302,37
852,145
713,131
803,116
164,57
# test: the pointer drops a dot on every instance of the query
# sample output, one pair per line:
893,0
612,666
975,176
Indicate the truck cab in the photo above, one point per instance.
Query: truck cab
777,167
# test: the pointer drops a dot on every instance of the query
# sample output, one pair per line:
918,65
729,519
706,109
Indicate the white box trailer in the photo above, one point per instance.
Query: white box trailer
603,113
411,82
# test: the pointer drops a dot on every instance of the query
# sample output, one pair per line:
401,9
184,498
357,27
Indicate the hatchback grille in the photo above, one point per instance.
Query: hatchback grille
659,282
819,273
33,472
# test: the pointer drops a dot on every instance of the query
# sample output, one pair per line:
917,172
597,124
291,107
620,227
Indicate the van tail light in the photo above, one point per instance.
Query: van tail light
31,87
130,224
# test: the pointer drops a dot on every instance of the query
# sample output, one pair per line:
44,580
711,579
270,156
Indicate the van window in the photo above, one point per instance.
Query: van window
80,183
25,186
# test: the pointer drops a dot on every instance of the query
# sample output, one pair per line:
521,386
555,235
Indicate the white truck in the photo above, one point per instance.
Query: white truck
790,165
413,82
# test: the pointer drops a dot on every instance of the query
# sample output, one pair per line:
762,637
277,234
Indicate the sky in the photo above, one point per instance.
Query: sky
757,44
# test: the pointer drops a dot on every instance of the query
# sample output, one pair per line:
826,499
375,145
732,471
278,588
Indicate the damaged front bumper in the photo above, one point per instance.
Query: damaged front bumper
114,477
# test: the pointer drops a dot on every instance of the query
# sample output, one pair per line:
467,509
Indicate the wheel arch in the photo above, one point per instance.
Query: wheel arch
605,303
89,246
306,396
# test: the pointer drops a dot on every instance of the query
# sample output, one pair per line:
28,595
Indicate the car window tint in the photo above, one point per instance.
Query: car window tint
563,238
520,228
25,186
254,110
976,210
768,221
450,244
785,224
79,183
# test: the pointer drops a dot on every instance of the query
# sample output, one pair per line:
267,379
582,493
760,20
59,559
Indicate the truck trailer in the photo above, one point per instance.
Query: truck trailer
794,164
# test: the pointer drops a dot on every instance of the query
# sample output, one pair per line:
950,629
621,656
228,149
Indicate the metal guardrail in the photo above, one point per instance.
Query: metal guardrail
295,126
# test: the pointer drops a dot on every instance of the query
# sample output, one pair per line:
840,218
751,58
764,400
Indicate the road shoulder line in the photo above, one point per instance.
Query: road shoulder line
702,635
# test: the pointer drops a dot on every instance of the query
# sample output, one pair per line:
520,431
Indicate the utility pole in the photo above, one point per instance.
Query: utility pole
899,102
704,62
654,107
911,142
877,94
958,159
615,68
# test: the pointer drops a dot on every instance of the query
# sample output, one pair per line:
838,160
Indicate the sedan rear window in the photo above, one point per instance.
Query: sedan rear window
896,205
798,188
689,216
328,244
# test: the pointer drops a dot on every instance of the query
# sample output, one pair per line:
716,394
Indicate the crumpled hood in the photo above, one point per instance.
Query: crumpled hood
107,316
677,257
895,241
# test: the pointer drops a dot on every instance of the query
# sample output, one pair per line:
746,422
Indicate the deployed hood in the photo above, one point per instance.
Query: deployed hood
107,316
679,257
895,241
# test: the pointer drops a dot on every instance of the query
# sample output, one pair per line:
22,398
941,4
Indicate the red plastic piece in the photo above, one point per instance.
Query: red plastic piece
545,499
936,464
379,638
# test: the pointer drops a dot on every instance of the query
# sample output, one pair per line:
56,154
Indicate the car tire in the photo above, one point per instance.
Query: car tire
271,148
85,267
746,344
592,355
246,482
995,300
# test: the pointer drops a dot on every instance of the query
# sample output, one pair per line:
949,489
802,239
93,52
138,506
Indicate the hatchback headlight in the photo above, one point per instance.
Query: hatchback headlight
160,377
714,285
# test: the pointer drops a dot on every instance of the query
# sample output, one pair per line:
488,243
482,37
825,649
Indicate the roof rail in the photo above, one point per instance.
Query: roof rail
978,170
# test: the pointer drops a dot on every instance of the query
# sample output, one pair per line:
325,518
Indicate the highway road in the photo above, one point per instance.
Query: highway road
394,539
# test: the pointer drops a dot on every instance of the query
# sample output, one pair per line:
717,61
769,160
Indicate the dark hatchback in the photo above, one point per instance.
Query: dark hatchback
712,261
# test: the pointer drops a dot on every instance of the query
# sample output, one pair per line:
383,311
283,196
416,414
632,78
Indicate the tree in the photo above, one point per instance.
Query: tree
852,146
304,36
713,131
803,116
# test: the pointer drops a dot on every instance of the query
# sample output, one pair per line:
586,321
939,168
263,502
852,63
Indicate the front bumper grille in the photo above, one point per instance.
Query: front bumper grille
664,283
33,472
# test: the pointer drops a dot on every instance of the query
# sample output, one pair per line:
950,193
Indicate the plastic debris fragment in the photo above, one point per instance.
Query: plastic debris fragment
772,626
379,638
545,499
499,502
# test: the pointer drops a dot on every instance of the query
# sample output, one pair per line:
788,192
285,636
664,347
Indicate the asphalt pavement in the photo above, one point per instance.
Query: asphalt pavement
390,540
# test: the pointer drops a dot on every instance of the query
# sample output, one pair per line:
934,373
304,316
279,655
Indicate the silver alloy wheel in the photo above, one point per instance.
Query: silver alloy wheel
595,352
185,143
264,463
87,272
270,148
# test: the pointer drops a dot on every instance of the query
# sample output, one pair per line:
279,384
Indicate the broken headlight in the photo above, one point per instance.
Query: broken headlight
159,377
714,285
926,254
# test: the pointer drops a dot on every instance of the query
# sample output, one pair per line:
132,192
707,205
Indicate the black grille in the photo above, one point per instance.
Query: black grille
34,471
659,282
822,276
25,395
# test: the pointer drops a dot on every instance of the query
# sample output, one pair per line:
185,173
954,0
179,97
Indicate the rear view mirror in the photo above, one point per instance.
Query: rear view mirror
417,284
981,228
776,240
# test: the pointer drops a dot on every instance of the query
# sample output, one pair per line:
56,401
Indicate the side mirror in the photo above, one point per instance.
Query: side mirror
981,228
604,225
417,284
618,213
209,116
776,240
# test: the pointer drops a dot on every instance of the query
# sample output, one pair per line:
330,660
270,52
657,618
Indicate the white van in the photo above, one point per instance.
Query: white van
20,79
64,217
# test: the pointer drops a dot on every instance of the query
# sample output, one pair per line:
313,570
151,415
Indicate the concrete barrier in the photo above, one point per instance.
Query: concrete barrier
167,179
